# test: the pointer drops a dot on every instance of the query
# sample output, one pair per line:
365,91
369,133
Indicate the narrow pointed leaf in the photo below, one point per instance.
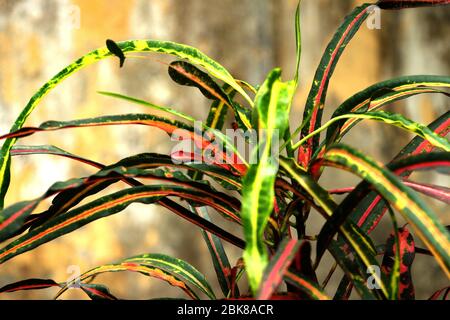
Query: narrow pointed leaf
103,207
306,286
272,101
187,74
97,291
29,284
182,51
402,198
175,272
278,265
316,99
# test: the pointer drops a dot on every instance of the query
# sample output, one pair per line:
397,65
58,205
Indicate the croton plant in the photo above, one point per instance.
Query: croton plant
267,194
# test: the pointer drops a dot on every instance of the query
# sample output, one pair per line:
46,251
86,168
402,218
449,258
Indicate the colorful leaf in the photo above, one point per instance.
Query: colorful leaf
272,101
407,252
316,99
29,284
186,74
97,291
402,198
176,272
279,264
103,207
306,286
182,51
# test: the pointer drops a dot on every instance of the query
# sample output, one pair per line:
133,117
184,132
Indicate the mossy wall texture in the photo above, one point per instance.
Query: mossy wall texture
249,37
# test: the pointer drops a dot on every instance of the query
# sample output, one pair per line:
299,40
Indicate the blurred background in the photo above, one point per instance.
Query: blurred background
249,37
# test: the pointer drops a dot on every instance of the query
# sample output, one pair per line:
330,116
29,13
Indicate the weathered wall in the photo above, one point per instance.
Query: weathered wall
249,37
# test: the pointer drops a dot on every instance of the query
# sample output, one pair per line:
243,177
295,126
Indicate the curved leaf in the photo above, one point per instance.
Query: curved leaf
103,207
388,118
383,93
186,74
424,221
176,272
169,126
191,54
272,101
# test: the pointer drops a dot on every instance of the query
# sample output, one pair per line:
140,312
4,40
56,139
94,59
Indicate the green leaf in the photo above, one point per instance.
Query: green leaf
176,267
146,104
21,150
176,272
272,101
218,255
312,115
402,198
182,51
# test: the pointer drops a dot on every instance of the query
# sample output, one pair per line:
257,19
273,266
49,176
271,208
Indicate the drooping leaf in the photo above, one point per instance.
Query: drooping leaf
424,221
175,272
218,256
146,104
385,117
182,51
187,74
20,150
170,126
176,267
381,94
